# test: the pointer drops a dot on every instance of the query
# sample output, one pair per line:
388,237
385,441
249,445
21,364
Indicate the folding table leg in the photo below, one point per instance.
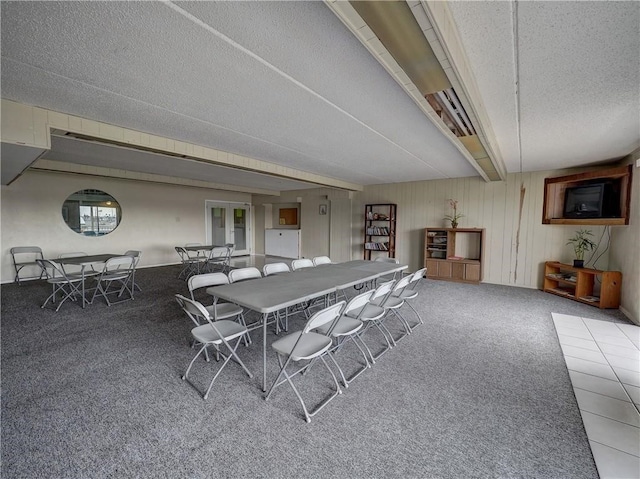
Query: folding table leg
264,352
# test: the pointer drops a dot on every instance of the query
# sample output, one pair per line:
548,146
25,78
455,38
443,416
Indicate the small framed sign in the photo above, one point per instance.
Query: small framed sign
323,209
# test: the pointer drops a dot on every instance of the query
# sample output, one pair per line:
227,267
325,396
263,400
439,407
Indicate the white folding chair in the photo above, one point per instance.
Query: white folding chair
118,271
307,345
371,314
67,287
318,260
392,304
230,249
275,268
410,292
348,328
297,264
218,258
279,268
217,310
212,333
136,259
26,257
189,265
243,274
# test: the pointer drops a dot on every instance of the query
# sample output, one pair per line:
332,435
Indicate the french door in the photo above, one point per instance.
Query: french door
229,223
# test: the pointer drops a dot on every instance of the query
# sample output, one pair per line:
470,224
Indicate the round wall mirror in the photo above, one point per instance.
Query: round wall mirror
91,212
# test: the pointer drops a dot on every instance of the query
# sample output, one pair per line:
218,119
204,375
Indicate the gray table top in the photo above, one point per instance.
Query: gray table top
203,247
276,292
84,260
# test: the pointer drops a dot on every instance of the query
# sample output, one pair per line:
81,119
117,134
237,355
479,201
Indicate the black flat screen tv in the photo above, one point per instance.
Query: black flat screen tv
596,200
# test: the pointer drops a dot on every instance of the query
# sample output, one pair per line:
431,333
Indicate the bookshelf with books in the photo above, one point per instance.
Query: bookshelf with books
585,285
380,230
454,254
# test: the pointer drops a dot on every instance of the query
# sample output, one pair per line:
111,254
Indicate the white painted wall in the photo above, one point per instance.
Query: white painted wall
316,230
155,217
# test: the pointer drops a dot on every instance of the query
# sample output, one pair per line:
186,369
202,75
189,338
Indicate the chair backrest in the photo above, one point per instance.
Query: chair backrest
135,254
297,264
396,291
242,274
401,283
318,260
274,268
219,253
119,263
231,248
195,310
51,269
182,253
417,276
383,290
324,316
358,301
198,281
383,259
72,255
33,251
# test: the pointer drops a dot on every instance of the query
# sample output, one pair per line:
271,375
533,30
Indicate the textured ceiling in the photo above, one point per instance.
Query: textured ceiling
286,82
82,152
579,72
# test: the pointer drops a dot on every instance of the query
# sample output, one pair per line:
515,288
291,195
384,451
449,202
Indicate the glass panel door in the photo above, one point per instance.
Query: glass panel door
229,223
240,228
218,225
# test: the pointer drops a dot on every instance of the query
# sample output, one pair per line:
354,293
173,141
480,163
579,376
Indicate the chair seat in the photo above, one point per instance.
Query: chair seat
371,312
228,329
224,310
410,294
115,276
68,279
310,346
87,274
393,302
345,327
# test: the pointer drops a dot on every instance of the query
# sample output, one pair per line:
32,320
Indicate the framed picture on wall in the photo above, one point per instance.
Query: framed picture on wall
323,209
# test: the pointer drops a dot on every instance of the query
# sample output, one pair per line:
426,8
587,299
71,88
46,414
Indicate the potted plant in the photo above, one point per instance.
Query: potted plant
455,216
581,243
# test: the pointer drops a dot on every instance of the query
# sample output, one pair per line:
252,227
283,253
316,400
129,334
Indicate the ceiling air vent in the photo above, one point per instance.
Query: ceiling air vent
396,27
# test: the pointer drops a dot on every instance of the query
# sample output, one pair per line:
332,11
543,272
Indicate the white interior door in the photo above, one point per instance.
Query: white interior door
229,223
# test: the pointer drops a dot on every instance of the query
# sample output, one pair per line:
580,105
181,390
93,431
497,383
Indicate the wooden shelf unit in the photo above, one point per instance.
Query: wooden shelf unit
554,191
580,284
380,229
440,254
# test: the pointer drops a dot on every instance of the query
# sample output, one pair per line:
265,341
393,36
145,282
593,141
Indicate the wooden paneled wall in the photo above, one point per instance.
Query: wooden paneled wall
516,243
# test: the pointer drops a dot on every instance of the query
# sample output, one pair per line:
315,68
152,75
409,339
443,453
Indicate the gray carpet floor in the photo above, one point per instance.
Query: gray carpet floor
480,390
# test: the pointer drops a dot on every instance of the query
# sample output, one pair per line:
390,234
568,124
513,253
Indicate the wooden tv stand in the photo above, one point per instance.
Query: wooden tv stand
579,284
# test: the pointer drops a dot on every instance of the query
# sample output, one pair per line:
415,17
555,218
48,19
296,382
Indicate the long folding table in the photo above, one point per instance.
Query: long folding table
277,292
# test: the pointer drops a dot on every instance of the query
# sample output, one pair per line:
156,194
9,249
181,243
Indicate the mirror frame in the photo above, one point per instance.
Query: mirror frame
91,213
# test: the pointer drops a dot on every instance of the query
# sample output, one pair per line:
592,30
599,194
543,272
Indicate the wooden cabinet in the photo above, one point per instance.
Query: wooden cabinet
555,189
380,230
454,254
589,286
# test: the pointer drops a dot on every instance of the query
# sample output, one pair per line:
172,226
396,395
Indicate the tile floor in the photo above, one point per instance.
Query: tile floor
603,359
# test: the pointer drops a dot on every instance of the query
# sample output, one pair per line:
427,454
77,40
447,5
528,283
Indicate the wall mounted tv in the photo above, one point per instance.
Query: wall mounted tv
594,200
